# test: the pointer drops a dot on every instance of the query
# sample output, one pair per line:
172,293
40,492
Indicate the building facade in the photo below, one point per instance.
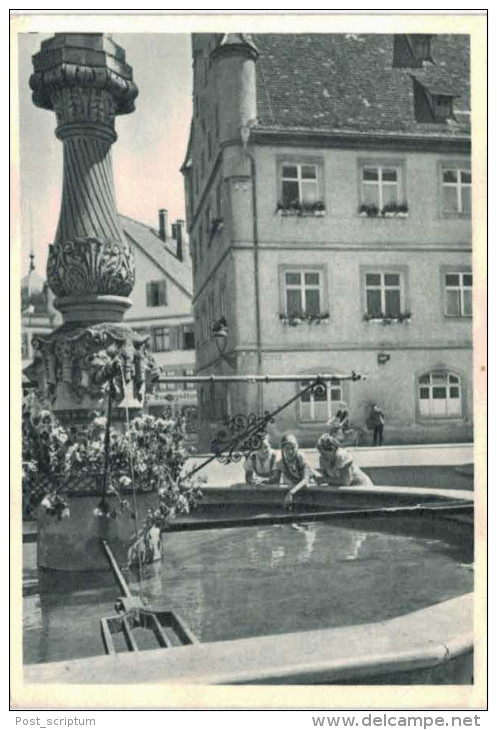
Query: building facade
328,189
162,306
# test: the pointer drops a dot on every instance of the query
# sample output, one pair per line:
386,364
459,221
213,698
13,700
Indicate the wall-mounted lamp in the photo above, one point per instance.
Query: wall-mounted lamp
383,358
220,332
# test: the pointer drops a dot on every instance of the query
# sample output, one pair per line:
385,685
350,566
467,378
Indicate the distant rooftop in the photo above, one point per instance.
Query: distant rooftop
163,253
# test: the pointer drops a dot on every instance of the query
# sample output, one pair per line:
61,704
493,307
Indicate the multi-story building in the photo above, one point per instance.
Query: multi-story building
162,305
328,190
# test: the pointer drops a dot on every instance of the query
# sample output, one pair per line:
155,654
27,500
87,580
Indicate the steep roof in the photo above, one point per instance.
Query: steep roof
347,82
148,241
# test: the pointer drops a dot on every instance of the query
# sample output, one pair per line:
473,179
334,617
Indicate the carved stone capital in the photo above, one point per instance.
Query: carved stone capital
76,106
74,365
91,266
77,62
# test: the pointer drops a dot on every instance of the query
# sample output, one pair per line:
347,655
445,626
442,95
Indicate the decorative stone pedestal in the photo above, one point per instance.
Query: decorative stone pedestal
86,81
75,543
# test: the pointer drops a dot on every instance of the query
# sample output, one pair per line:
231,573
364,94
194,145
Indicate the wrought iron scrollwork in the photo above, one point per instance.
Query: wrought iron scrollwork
239,436
318,388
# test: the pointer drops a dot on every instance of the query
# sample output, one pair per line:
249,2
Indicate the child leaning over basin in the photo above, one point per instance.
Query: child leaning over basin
260,465
293,467
336,467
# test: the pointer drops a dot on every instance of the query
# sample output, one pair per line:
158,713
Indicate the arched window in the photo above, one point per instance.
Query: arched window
439,395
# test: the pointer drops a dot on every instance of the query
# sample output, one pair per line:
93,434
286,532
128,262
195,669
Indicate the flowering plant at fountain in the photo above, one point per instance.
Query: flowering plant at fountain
44,443
151,452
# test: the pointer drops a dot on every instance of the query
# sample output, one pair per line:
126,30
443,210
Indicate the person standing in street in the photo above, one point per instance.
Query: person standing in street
339,423
377,423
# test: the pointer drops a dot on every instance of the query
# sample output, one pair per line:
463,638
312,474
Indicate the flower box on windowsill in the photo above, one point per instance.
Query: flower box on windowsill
313,210
391,210
385,321
294,321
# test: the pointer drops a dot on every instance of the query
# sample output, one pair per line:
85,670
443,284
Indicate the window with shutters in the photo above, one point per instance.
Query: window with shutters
156,293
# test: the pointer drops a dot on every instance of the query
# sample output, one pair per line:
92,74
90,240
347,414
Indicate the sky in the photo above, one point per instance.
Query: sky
147,155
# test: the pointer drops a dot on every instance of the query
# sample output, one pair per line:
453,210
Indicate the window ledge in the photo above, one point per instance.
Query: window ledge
385,321
384,216
437,420
309,319
294,213
454,215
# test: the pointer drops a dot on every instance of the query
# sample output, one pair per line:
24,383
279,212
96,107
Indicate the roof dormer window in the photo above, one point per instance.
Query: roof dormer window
432,103
421,46
442,107
412,50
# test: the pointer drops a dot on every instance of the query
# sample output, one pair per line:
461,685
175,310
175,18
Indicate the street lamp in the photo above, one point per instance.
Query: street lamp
220,332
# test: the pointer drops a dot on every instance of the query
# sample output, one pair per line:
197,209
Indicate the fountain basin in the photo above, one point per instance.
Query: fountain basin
343,602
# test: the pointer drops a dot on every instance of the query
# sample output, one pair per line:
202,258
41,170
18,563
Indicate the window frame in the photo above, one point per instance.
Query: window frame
321,269
447,372
460,270
191,328
401,271
149,289
338,385
459,165
299,161
166,335
382,163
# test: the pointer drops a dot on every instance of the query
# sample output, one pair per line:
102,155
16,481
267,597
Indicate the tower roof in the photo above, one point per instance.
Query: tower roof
230,42
33,292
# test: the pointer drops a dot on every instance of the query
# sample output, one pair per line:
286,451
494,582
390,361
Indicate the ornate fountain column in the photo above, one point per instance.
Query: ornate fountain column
85,80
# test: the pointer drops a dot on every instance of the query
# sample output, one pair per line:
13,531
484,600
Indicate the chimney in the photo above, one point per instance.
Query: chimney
162,224
179,236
